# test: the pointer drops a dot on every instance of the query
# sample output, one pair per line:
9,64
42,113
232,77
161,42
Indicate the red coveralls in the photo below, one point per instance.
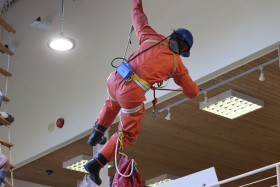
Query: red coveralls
153,66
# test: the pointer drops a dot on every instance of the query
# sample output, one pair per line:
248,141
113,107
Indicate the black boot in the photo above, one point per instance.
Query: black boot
97,135
94,166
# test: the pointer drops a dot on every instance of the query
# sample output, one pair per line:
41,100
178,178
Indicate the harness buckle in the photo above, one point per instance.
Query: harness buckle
127,80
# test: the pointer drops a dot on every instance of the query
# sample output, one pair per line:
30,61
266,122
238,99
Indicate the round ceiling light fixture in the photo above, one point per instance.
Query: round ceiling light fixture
61,43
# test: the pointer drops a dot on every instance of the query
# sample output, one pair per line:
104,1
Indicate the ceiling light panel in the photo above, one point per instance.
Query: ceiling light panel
231,104
160,180
77,163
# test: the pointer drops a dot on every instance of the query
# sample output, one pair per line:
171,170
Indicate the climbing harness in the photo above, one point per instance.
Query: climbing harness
133,110
125,110
142,83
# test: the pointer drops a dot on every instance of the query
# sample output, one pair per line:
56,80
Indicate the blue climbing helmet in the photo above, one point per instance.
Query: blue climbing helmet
186,35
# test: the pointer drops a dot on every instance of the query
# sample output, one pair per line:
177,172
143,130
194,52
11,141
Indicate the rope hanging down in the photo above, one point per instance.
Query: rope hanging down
154,101
120,137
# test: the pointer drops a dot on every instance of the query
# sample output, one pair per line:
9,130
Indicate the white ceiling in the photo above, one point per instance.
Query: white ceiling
47,85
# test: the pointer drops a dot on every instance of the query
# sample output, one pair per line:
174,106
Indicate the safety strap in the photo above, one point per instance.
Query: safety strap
132,110
156,41
141,80
174,56
144,87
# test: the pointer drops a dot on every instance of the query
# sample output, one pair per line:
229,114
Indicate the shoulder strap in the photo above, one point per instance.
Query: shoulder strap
174,56
156,41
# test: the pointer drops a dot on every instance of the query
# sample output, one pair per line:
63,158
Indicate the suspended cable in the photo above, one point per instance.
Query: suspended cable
62,17
129,40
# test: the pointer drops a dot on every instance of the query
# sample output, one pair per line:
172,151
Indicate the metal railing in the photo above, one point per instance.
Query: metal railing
276,166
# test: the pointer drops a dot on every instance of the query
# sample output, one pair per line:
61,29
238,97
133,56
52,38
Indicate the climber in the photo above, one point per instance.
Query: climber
152,66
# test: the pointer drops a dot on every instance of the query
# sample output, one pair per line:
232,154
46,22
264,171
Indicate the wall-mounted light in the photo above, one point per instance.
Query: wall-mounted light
231,104
168,117
261,78
40,24
160,180
205,98
61,43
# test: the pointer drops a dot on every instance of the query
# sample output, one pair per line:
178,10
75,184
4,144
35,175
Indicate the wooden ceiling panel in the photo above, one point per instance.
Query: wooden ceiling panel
194,139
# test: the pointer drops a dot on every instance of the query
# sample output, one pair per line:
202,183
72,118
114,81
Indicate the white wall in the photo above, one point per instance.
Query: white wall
47,85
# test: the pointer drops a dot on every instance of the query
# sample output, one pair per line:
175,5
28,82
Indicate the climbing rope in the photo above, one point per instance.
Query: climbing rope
120,137
129,40
154,101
